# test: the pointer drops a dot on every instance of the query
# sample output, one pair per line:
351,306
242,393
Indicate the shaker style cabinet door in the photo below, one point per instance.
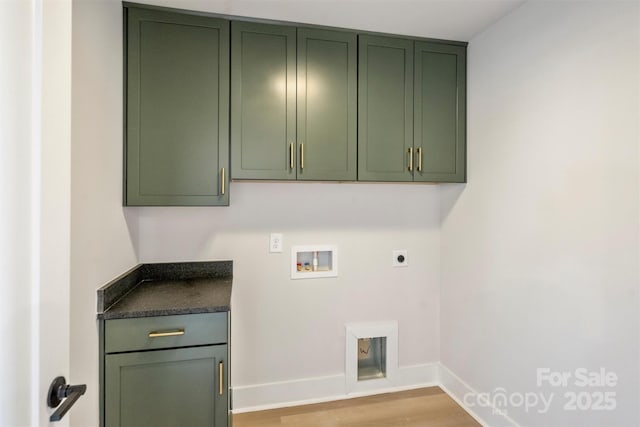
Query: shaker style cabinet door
327,105
440,113
167,388
177,109
385,115
263,101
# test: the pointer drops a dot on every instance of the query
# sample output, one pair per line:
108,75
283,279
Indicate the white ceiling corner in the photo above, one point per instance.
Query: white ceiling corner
443,19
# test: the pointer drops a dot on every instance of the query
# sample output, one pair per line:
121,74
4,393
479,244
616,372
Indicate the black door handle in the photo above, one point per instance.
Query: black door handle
59,390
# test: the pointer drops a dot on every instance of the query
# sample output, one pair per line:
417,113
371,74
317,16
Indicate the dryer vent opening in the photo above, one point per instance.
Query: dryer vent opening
371,355
372,358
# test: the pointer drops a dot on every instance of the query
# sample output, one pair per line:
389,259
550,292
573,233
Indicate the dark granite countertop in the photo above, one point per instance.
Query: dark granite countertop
167,289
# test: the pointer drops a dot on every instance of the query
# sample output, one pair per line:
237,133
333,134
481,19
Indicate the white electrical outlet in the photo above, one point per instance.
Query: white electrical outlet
275,242
400,258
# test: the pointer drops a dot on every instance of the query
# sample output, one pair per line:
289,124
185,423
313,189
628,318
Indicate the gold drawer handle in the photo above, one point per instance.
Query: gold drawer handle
175,333
222,182
291,156
220,381
410,165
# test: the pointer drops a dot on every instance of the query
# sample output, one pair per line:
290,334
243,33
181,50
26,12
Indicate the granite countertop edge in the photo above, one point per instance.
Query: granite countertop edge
152,290
168,312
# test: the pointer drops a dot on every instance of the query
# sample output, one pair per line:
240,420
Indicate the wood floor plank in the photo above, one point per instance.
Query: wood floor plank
425,407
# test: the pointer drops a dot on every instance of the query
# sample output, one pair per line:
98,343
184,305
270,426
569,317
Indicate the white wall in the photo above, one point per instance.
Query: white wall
540,248
51,200
279,325
101,240
285,329
449,20
35,119
15,225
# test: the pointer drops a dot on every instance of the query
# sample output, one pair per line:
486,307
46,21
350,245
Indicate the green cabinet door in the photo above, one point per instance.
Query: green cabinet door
263,101
177,109
385,109
327,105
440,113
167,388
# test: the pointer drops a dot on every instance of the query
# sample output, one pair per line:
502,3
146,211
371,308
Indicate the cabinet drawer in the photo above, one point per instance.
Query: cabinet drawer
147,333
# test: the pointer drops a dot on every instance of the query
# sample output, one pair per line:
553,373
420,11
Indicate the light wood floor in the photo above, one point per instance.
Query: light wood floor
425,407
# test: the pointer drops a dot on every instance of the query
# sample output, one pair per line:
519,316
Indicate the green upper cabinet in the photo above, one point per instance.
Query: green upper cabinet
385,115
327,105
411,124
440,111
208,99
263,103
177,109
293,103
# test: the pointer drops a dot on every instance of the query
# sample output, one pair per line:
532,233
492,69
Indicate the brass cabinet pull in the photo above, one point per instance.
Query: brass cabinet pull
291,156
410,167
301,156
419,152
175,333
220,381
222,179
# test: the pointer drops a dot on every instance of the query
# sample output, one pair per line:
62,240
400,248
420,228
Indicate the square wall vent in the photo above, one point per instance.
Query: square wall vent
371,357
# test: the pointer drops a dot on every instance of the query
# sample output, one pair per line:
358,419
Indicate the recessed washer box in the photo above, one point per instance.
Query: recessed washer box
314,261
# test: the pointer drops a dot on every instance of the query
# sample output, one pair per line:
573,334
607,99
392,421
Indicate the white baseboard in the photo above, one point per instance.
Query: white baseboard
458,389
286,393
323,389
333,387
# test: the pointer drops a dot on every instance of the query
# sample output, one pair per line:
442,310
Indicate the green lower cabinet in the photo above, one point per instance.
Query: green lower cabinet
177,109
440,112
167,388
165,371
